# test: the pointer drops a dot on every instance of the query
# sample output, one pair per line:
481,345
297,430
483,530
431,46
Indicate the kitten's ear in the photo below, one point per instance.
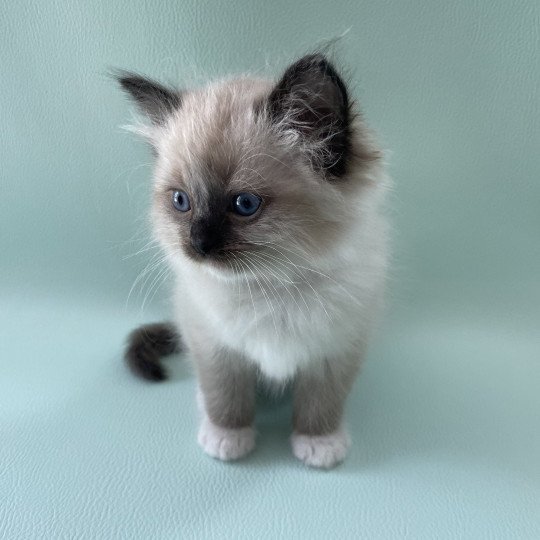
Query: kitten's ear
311,99
153,99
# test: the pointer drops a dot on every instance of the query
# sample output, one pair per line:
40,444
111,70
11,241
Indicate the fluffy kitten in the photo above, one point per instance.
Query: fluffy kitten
266,202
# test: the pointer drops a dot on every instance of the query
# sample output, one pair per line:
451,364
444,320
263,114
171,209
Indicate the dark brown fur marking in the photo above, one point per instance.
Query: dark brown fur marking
145,347
312,88
152,98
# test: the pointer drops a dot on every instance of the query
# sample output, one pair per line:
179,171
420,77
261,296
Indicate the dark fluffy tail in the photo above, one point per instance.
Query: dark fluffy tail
145,347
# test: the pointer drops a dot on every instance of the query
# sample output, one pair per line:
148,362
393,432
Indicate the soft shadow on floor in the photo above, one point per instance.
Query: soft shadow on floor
443,394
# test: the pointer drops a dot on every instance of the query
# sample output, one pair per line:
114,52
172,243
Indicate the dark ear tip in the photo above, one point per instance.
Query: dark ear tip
317,64
316,60
153,99
129,80
120,76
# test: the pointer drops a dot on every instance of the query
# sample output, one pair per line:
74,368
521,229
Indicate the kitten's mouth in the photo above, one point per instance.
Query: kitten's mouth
225,257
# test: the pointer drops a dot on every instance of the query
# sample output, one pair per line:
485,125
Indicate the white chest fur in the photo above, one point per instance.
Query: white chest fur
320,314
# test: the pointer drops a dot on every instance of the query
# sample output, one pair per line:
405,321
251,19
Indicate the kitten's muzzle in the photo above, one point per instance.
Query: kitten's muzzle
202,246
206,238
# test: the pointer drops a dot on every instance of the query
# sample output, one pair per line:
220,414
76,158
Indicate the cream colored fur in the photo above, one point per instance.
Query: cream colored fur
311,294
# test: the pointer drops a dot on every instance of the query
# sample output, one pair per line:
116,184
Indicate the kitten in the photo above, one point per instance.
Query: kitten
266,203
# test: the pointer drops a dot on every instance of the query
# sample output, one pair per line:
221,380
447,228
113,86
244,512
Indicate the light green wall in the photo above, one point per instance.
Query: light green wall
444,417
451,87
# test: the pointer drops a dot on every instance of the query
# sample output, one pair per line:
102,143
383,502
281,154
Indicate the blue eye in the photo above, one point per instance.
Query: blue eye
246,204
180,201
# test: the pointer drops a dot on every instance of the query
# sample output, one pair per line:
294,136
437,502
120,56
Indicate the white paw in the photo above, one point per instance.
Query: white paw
225,443
323,451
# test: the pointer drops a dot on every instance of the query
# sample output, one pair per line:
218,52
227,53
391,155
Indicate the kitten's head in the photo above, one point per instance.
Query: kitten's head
248,171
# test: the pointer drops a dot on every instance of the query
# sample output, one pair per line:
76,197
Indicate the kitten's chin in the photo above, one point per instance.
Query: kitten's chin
220,270
218,267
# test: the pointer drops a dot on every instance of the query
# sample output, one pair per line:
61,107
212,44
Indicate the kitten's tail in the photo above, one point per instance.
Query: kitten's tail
145,347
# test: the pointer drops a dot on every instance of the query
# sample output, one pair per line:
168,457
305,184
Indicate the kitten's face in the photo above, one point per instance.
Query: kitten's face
250,175
243,195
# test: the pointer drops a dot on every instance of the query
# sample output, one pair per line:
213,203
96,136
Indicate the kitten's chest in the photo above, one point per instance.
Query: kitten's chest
280,328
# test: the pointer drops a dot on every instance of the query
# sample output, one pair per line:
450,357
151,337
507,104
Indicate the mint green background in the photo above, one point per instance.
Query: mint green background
446,416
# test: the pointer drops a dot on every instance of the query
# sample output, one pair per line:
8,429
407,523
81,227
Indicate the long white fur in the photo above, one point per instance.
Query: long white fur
332,305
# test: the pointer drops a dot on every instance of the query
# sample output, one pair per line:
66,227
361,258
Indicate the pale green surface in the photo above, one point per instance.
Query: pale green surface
446,415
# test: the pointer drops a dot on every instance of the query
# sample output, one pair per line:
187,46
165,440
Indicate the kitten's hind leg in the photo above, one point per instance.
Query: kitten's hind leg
227,402
145,347
319,439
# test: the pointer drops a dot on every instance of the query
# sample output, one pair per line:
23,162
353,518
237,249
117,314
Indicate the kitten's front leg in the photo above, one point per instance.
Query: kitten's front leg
227,402
319,439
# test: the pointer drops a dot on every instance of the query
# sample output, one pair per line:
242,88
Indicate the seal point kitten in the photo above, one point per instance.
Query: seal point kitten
267,203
